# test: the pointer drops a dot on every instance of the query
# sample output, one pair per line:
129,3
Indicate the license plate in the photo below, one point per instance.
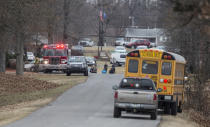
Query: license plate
167,97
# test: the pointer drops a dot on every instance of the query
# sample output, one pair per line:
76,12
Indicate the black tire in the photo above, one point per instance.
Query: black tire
86,73
153,116
117,112
50,71
46,71
167,108
174,108
179,109
118,64
32,69
68,73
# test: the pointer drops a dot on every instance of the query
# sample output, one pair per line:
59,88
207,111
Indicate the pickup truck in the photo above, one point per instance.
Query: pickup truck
135,95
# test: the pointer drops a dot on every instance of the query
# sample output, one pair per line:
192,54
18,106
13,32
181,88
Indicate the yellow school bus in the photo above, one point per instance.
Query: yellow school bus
166,69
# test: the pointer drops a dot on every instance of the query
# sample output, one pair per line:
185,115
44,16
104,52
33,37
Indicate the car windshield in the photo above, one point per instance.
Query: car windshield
141,47
135,83
89,58
85,39
55,52
119,48
76,59
119,39
77,47
29,53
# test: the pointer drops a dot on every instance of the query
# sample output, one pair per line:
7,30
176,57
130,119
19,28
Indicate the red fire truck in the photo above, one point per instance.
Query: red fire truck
55,57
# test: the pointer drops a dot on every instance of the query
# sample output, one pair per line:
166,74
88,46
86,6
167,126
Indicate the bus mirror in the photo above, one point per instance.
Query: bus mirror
185,78
115,87
159,90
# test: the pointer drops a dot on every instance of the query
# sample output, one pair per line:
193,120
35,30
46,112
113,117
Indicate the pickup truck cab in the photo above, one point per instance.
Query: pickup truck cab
135,95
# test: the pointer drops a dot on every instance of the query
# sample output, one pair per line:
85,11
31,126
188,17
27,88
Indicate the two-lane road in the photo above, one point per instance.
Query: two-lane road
89,104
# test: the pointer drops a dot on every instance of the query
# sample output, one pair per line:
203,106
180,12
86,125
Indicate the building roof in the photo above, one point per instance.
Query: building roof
145,33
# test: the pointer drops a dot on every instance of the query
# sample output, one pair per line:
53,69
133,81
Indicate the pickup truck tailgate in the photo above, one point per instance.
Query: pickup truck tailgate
134,96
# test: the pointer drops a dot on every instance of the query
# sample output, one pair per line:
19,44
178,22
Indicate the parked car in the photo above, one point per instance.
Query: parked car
86,42
118,58
30,56
119,42
161,48
90,61
139,42
77,64
141,47
135,95
120,49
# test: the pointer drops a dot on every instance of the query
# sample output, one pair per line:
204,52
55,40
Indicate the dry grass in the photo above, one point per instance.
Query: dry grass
19,104
15,112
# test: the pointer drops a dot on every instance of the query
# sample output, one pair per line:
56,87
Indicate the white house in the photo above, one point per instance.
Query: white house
155,36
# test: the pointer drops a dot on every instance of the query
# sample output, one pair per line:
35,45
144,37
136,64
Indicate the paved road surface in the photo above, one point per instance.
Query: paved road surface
89,104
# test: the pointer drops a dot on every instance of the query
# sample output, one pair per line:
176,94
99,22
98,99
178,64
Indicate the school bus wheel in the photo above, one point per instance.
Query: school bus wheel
173,108
179,108
167,108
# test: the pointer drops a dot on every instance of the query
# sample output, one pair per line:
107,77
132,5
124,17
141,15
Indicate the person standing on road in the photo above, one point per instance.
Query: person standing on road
36,65
104,71
105,67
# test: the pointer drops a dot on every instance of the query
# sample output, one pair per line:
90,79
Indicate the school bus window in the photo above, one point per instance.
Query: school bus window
133,66
166,68
149,67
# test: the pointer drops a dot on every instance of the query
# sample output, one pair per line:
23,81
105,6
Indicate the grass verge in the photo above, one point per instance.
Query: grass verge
19,97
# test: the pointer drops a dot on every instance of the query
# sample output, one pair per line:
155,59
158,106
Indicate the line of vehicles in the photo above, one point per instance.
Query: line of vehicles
154,79
58,57
134,43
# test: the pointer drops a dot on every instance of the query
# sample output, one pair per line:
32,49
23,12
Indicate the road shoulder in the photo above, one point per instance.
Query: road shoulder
181,120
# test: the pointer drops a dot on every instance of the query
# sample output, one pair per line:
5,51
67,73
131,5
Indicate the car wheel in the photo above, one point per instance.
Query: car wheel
154,115
174,108
117,112
32,69
119,64
46,71
86,73
68,73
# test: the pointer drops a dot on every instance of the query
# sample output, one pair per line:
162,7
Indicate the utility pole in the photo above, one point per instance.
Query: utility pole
101,25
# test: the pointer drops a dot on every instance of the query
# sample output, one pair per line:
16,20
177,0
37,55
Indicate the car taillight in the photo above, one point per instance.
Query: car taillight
116,95
155,97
